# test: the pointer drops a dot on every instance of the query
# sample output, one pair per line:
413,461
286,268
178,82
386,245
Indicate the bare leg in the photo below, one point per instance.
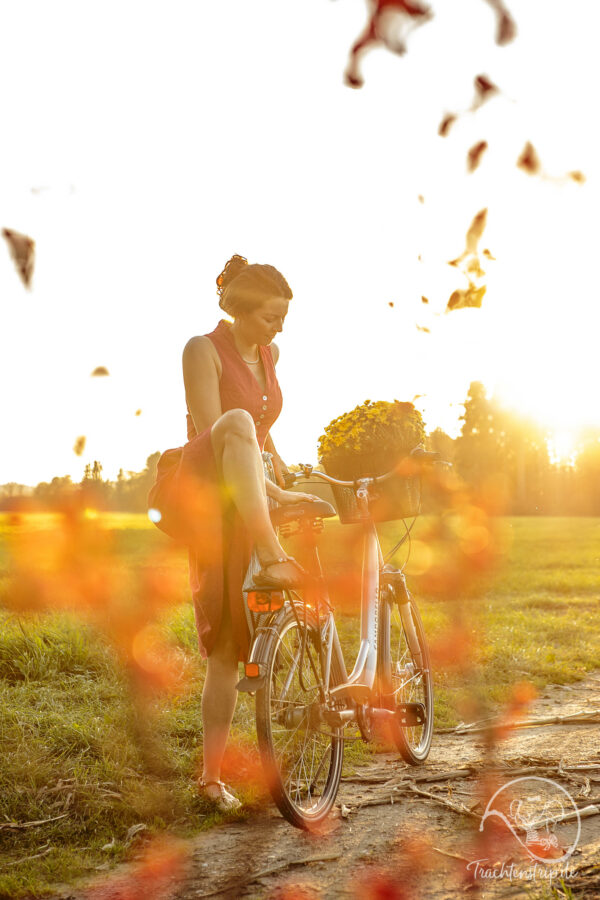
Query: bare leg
240,463
219,698
239,459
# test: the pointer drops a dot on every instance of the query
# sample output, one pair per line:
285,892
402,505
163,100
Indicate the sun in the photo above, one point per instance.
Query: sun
562,447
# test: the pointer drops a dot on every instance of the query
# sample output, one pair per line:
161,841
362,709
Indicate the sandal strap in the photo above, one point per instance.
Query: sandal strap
279,559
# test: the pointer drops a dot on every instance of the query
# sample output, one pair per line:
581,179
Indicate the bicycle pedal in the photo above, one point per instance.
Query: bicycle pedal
410,714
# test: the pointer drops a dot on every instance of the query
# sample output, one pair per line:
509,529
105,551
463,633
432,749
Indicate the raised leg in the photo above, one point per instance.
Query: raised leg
241,467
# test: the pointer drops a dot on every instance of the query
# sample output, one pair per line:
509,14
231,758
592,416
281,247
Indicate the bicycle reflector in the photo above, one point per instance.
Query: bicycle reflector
264,601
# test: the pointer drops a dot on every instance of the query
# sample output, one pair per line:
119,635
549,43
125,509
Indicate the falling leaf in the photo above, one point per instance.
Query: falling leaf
444,126
419,258
468,297
421,198
381,28
473,267
100,370
22,251
474,155
579,177
422,328
79,445
418,397
505,25
390,304
488,253
484,89
138,412
475,231
424,300
529,161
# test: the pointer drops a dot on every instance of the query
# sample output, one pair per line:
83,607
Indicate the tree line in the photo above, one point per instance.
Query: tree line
129,493
498,453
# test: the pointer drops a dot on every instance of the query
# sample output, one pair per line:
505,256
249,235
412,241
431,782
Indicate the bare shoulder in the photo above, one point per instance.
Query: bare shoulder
200,352
275,352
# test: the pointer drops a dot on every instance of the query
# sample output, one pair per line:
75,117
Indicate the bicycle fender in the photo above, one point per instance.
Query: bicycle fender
258,652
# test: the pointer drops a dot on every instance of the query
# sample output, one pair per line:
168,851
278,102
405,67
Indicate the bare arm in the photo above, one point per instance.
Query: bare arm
201,380
278,464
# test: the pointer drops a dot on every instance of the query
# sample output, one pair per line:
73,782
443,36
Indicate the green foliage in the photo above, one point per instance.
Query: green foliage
68,716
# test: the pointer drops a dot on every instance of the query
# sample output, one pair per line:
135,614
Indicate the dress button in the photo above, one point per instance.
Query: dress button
264,397
261,416
264,407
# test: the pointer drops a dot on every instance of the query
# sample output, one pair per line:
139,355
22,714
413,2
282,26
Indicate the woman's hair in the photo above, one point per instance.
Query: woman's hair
243,288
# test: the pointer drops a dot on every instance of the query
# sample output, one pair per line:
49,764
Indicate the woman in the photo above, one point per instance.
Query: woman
233,398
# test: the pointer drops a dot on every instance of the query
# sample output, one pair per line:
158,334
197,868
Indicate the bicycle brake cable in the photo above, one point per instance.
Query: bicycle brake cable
405,537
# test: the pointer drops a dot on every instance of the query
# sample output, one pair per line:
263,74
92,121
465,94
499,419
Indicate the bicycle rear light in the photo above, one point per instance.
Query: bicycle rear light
251,670
264,601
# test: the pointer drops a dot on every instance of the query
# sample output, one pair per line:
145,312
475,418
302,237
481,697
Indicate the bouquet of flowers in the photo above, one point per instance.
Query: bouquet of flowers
371,440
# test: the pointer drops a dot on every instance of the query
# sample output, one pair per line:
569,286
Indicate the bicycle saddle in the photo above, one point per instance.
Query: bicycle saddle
309,509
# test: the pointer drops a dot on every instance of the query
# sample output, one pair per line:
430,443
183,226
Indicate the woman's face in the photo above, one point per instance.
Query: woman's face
262,324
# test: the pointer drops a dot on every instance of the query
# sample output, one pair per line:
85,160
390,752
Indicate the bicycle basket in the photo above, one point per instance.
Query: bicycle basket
397,498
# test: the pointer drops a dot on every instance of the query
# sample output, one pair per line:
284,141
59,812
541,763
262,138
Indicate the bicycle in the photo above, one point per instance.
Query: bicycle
304,695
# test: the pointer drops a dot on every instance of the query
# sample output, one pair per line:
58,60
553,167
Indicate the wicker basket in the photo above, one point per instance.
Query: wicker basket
397,498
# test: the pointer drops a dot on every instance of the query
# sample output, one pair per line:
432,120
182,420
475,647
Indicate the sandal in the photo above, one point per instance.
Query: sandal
225,801
299,578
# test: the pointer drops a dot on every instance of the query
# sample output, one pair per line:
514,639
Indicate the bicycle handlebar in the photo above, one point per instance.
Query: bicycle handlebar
419,454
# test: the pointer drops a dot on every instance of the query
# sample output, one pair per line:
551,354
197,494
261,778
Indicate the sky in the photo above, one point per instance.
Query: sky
145,143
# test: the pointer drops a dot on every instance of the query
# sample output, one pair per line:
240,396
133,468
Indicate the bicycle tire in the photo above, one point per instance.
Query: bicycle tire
404,679
301,755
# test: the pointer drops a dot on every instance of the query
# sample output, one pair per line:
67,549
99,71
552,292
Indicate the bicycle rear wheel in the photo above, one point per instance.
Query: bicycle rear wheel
301,753
405,673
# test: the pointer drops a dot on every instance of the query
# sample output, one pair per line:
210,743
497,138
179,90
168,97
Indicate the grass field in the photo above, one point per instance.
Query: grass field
81,748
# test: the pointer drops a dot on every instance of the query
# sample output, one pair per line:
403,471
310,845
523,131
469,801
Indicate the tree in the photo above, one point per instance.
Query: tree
502,451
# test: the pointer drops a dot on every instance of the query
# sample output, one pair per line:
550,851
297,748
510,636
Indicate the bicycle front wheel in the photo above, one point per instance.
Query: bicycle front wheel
405,672
302,754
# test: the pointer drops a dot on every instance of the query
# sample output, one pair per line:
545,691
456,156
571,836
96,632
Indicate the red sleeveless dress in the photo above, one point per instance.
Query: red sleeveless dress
220,554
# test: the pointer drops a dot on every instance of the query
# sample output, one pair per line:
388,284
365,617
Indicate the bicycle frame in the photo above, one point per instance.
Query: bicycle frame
355,689
358,685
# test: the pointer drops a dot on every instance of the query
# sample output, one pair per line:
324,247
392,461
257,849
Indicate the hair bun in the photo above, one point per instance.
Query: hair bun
232,269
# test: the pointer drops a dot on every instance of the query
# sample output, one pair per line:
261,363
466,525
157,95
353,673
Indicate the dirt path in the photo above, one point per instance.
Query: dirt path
371,845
